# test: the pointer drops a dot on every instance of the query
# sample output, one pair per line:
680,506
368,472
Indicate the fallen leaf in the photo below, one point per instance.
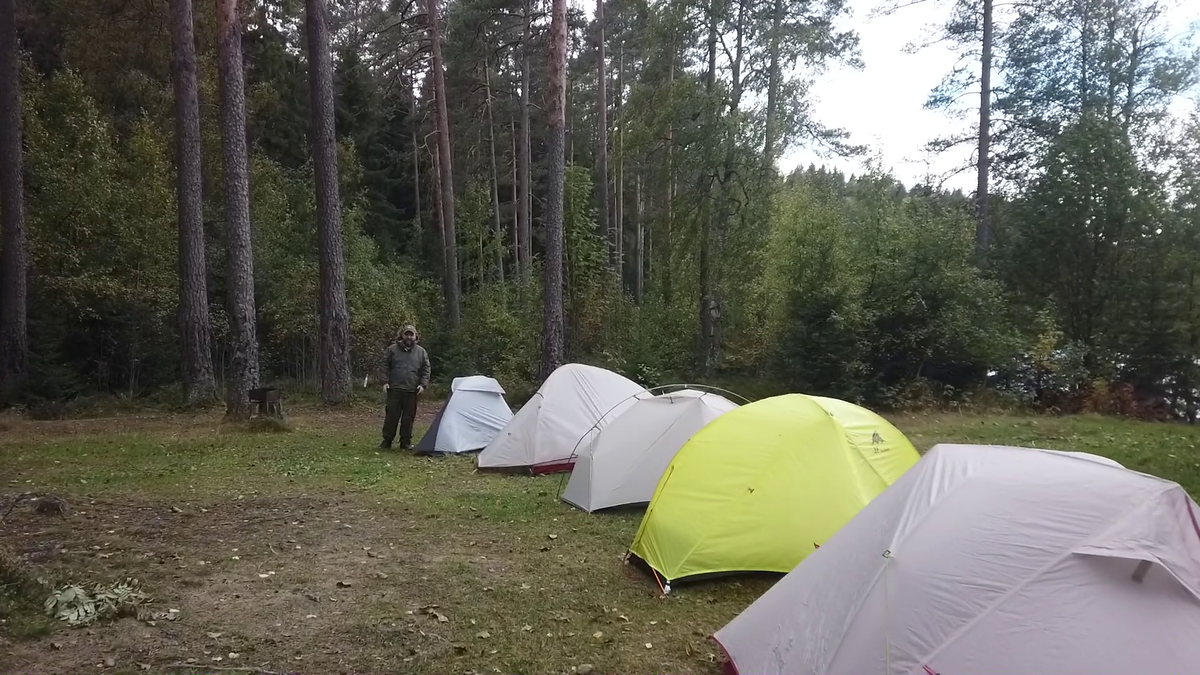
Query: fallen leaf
649,646
525,587
214,636
191,660
264,576
527,628
56,645
623,618
653,623
483,635
311,616
176,509
218,659
109,662
144,666
343,584
380,575
554,536
234,655
598,634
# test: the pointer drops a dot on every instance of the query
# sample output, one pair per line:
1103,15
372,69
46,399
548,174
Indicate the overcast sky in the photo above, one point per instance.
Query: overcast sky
882,105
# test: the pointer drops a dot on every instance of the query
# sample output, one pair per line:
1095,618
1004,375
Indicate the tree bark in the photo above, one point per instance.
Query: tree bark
983,227
243,374
497,228
667,245
552,346
195,328
619,123
14,331
335,317
518,265
774,75
445,169
708,301
416,149
602,139
639,255
525,206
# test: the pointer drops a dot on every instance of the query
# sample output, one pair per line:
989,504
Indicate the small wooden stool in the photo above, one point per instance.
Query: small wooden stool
268,401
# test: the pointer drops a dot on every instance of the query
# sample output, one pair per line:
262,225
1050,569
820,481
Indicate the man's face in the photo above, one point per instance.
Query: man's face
409,338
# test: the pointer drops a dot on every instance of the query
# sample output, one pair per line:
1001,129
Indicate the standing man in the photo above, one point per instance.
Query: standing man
407,366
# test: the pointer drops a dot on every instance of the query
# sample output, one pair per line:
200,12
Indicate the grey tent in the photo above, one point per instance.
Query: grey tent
475,412
985,560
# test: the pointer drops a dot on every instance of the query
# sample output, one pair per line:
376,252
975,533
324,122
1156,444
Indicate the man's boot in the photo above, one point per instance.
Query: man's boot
385,445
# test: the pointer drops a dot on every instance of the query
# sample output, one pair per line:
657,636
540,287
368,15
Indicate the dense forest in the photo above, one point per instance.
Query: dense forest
200,198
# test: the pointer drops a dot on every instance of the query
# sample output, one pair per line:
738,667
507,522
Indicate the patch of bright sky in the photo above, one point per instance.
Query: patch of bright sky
882,105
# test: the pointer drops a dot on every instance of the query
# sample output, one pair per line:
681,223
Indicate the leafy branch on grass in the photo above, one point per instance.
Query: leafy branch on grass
76,606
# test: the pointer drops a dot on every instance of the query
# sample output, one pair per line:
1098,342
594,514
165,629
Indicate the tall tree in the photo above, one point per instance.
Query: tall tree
243,375
983,226
446,172
525,202
497,227
195,329
334,342
552,334
14,340
602,136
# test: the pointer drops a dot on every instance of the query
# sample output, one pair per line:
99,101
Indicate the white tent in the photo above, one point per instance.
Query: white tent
470,419
985,560
623,462
573,403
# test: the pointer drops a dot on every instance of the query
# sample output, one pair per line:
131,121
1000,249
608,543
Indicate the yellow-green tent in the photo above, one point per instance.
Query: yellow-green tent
761,487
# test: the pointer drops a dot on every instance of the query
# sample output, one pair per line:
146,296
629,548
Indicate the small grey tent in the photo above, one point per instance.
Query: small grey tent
475,412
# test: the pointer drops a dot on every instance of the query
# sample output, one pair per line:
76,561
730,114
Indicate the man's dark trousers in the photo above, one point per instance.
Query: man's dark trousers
402,409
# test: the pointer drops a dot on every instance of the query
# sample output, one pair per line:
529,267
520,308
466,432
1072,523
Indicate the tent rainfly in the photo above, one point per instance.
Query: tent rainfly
624,461
574,403
991,561
764,485
470,418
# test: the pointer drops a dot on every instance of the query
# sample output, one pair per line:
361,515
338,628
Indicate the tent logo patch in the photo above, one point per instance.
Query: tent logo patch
876,439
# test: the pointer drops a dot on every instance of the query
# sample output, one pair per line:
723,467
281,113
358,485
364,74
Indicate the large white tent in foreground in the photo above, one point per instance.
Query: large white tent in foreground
986,560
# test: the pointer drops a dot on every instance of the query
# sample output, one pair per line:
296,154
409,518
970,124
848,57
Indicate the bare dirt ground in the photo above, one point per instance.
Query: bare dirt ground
311,552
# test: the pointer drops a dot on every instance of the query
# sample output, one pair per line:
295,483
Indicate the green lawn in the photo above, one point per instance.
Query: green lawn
442,569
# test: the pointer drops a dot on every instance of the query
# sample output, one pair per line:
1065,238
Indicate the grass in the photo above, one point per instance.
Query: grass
442,569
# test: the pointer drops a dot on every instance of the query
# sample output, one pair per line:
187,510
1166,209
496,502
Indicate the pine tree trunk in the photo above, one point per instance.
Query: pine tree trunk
983,229
13,261
195,329
773,79
708,302
243,346
497,228
552,336
14,336
518,264
416,150
335,317
639,269
606,226
441,221
525,206
667,245
619,124
445,169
